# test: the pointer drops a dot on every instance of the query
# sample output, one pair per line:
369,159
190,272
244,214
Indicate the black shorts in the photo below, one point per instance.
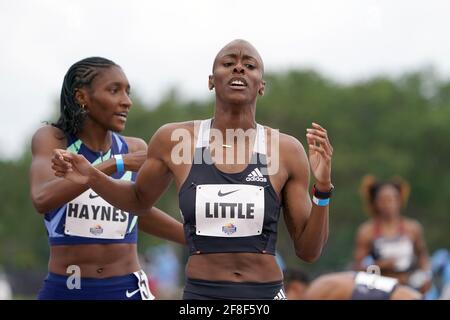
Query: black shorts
226,290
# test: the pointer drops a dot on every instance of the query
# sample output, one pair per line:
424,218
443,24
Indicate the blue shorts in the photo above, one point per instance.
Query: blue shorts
132,286
196,289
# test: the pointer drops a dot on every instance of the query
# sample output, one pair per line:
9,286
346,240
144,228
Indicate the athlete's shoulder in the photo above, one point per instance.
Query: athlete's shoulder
287,142
48,137
49,131
365,230
170,134
412,225
290,147
169,128
135,144
410,222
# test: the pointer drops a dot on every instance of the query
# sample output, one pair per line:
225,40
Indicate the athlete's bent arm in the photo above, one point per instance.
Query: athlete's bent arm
307,224
152,179
45,188
160,224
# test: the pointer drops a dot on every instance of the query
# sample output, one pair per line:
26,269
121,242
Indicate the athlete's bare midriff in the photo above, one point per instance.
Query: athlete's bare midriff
236,267
95,260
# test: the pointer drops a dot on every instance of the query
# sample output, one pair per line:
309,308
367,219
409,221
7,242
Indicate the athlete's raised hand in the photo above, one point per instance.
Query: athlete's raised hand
320,154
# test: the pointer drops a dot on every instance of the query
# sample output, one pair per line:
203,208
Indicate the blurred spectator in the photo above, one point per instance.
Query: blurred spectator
164,269
395,243
440,264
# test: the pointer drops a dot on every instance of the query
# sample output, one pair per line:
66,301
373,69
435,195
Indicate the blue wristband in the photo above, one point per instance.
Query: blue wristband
321,202
120,166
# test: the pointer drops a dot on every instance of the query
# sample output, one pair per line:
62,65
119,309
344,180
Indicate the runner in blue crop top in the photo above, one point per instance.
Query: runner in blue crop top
232,177
89,237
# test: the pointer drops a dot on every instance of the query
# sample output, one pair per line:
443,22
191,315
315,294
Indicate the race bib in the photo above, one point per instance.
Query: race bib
374,281
229,210
89,215
402,251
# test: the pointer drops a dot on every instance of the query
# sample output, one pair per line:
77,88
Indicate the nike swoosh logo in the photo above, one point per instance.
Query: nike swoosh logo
220,194
130,294
93,196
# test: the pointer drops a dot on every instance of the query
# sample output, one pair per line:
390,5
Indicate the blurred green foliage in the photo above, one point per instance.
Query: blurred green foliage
385,126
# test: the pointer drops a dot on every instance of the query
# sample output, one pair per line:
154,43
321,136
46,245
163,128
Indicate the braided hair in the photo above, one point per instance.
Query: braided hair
79,75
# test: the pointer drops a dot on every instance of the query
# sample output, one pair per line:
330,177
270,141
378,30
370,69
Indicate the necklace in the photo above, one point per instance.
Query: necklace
225,145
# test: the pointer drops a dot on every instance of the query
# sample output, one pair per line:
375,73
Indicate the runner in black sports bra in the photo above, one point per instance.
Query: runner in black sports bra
231,208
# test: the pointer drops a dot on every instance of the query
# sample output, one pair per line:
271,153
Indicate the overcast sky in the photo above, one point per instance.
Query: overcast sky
161,44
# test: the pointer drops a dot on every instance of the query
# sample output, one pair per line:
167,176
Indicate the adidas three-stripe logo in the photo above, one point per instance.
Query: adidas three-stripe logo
280,295
256,175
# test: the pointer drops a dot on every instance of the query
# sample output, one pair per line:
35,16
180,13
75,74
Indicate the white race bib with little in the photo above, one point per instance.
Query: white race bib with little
89,215
229,210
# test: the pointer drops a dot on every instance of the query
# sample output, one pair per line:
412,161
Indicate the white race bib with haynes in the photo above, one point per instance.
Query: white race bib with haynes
89,215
